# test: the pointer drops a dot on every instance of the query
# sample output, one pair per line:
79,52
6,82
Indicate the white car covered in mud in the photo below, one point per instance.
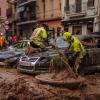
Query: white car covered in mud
40,62
37,63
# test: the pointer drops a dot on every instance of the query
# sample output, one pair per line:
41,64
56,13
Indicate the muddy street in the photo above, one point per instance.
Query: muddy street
17,86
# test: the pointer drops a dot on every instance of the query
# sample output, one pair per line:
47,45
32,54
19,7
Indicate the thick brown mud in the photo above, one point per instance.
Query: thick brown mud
17,86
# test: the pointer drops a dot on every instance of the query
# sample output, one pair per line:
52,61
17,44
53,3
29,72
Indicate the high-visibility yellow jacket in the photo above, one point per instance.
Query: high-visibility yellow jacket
77,47
38,35
66,36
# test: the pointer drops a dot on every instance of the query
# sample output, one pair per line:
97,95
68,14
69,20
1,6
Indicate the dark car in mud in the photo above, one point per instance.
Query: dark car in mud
11,55
9,58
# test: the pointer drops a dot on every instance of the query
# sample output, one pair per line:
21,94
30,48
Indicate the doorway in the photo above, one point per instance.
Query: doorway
77,30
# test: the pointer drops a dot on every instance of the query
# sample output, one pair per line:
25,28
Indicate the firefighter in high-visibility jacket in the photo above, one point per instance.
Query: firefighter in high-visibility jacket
76,48
37,40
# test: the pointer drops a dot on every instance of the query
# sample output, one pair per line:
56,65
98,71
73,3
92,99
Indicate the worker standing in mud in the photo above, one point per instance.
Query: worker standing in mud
76,48
38,39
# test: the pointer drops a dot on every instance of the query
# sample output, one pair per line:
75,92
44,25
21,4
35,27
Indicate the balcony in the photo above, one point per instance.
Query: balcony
49,15
21,1
26,17
24,2
75,11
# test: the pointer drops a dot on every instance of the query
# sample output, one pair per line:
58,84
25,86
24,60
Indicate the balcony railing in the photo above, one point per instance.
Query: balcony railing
24,2
49,15
21,1
26,17
73,10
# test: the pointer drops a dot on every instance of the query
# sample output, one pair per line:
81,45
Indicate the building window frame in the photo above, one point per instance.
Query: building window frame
52,8
0,11
78,4
90,3
43,1
67,7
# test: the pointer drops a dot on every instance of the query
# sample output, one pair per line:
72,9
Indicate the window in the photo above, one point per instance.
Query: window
90,3
78,6
52,8
90,28
77,30
0,11
58,31
43,8
67,5
9,12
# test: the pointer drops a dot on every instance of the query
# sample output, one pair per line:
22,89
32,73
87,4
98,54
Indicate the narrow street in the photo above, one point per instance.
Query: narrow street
17,86
56,42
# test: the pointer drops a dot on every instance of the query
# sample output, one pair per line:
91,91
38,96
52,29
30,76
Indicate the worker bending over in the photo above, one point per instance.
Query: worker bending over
38,37
76,48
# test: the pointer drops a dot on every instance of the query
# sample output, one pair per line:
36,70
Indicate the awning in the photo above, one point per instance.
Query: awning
77,21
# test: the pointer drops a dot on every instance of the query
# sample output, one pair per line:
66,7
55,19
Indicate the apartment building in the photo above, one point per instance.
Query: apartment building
25,17
3,7
7,16
49,11
81,16
10,14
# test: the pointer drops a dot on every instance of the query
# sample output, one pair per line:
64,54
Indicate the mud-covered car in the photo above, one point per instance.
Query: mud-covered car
11,55
40,62
36,63
90,41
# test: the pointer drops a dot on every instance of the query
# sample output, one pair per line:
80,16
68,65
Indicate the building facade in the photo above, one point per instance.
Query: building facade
7,16
81,16
3,7
25,17
3,10
10,14
49,11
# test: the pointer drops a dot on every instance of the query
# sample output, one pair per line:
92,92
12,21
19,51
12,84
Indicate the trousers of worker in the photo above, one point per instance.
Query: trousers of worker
78,60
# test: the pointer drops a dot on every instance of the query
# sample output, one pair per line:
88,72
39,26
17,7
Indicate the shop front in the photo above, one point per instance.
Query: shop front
79,26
